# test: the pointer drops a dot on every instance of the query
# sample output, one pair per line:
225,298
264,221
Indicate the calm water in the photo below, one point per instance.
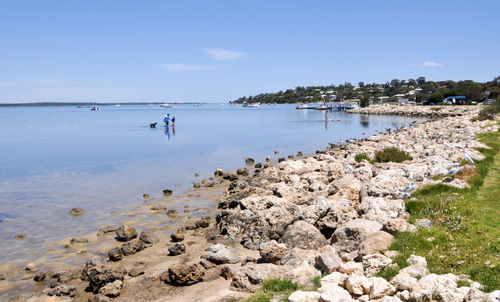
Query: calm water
53,159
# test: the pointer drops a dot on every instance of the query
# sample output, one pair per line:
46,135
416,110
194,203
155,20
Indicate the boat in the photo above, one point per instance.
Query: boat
94,108
303,107
253,105
196,105
167,105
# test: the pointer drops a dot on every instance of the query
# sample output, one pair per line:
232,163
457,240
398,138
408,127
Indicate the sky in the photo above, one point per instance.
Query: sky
217,51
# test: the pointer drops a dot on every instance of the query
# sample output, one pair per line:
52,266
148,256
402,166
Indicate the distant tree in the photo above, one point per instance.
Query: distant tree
364,101
361,84
436,98
395,83
412,82
420,80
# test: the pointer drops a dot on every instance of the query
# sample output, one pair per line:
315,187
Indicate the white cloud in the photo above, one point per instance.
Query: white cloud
220,54
429,64
184,67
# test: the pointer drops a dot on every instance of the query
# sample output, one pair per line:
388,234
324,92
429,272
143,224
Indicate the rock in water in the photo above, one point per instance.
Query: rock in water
249,161
167,192
76,211
184,274
39,277
20,236
177,249
126,233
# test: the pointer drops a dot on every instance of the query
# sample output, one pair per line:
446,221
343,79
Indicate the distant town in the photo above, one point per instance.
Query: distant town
418,91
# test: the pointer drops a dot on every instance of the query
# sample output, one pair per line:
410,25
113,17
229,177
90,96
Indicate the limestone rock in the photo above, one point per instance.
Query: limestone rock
177,249
303,235
177,237
380,288
219,254
132,247
374,262
302,296
358,285
403,281
335,294
328,262
357,230
376,242
351,268
148,237
115,254
184,274
99,274
126,233
60,290
112,289
273,251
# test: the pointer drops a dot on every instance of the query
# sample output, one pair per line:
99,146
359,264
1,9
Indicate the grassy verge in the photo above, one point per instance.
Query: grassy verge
465,236
281,288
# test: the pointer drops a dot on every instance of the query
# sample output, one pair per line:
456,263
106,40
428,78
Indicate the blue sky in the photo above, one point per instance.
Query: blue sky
216,51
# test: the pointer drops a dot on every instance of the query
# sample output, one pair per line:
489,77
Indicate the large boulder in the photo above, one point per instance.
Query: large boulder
126,233
376,242
219,254
303,235
355,231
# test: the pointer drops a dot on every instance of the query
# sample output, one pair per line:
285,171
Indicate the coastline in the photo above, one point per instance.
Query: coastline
296,202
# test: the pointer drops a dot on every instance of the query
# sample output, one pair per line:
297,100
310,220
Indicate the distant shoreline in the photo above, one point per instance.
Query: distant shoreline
48,104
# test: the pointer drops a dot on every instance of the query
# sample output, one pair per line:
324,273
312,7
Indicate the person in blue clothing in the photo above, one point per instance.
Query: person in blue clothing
167,120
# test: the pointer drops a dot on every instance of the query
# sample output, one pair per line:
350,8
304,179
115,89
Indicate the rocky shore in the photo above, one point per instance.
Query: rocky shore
324,216
422,111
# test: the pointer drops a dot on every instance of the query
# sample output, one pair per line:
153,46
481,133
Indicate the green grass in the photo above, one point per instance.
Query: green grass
466,229
272,287
360,156
282,288
392,154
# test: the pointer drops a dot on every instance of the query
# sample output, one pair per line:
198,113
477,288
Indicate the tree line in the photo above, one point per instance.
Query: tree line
418,90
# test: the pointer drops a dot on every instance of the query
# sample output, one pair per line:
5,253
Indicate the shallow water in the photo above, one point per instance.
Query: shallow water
55,158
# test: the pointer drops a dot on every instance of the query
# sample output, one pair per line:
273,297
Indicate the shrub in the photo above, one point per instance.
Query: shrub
489,112
392,154
360,156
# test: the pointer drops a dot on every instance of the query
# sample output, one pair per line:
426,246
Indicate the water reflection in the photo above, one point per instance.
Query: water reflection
167,132
364,120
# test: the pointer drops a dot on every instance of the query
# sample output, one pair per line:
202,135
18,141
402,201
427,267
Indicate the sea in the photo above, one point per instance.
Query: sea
55,158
